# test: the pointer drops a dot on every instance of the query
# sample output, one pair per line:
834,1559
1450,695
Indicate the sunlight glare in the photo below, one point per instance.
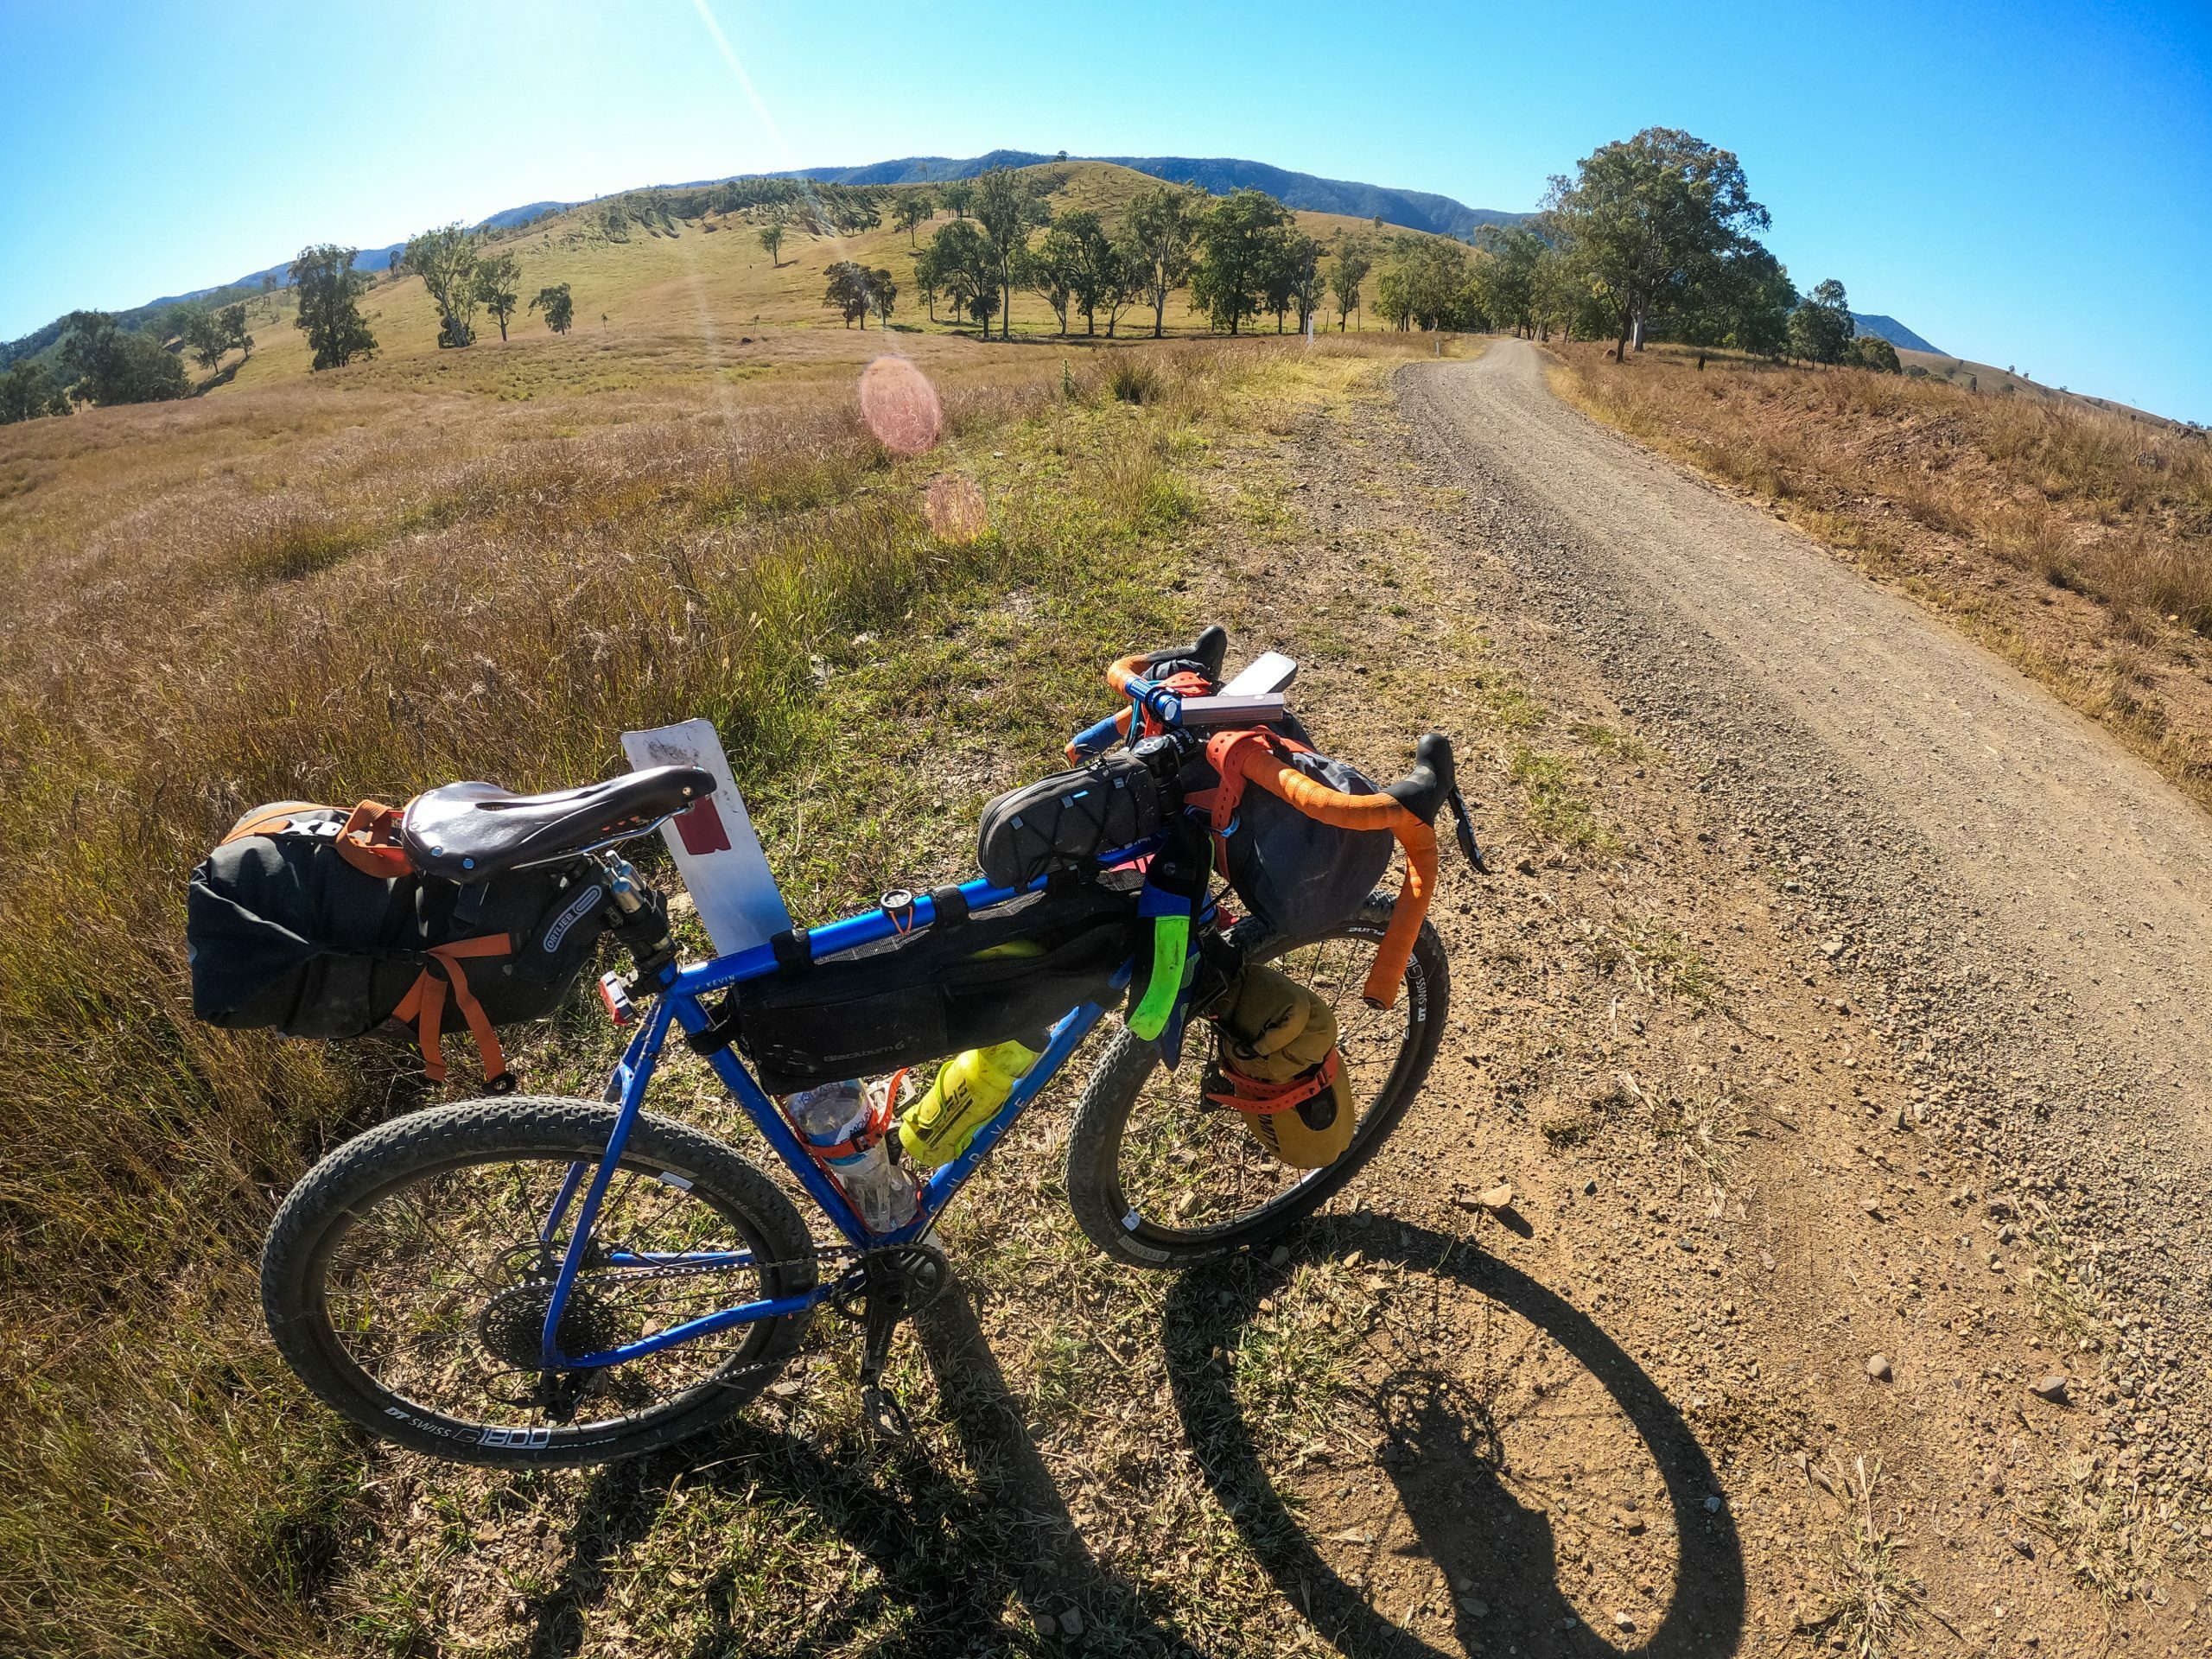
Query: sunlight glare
900,406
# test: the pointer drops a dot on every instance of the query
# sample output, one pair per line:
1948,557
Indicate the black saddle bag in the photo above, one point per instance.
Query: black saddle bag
283,931
1011,971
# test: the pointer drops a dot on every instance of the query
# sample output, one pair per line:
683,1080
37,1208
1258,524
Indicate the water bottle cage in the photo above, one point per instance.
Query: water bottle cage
878,1125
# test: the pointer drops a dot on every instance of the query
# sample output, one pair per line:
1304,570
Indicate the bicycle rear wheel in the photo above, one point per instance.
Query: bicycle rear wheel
1160,1177
406,1282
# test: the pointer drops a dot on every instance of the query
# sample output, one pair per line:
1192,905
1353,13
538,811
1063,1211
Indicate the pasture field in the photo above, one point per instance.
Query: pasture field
478,564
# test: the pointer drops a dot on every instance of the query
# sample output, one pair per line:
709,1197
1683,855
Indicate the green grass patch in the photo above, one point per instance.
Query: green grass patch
1669,963
875,678
1555,807
1608,740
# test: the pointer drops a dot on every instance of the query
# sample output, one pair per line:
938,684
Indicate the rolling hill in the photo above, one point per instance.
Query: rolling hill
1411,209
676,301
1895,333
1341,200
1416,210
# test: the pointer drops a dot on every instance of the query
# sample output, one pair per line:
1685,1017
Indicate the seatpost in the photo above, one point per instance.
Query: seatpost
643,929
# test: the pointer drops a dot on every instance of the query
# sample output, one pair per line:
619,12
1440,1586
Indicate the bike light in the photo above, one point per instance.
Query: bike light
616,994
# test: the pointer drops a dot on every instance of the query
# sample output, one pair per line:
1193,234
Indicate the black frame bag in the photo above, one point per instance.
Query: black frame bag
962,982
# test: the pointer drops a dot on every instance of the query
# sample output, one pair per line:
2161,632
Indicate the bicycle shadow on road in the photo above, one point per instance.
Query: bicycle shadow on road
1486,1413
950,1549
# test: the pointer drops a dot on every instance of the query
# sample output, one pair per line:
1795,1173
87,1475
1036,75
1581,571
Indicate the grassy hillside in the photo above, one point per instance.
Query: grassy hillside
1968,376
481,564
701,305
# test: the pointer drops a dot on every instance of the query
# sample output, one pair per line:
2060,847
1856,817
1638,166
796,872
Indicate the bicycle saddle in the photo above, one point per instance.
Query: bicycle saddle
469,832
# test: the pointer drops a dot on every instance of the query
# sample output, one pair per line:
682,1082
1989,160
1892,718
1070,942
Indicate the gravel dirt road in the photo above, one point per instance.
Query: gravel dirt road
1933,1139
2083,862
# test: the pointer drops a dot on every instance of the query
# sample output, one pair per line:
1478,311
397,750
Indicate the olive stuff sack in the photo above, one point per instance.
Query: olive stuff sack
1300,877
963,981
311,922
1276,1062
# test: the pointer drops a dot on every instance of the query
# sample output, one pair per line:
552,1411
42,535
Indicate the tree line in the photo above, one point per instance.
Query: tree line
99,361
459,275
1653,237
1656,238
1242,256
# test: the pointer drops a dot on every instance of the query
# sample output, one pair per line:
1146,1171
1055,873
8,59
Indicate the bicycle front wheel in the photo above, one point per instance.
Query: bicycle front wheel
1160,1177
408,1278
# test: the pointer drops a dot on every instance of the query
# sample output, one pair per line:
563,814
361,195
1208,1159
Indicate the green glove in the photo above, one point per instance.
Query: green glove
1175,886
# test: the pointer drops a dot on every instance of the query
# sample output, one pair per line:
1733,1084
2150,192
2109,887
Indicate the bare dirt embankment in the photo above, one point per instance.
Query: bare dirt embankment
1960,936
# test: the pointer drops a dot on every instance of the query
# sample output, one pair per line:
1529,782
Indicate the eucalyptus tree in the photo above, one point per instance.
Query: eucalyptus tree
1642,216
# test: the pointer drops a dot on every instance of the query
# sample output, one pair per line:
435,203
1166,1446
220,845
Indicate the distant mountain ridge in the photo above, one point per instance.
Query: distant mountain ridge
1416,210
1895,333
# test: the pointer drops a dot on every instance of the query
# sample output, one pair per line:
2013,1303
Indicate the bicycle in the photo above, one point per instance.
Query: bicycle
535,1281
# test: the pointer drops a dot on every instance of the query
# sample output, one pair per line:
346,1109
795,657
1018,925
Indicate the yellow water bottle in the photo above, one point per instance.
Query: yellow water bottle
970,1088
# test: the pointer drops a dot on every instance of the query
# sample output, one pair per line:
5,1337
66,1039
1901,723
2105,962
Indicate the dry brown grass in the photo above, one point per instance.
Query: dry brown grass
2050,526
302,592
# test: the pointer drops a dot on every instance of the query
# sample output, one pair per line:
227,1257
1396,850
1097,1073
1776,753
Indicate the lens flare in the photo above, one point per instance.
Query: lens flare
955,506
900,406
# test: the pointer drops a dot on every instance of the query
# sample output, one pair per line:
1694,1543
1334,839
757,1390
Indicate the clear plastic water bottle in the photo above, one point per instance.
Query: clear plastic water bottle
839,1115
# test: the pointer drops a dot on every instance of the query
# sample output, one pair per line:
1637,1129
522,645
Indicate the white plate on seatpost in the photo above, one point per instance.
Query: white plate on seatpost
713,841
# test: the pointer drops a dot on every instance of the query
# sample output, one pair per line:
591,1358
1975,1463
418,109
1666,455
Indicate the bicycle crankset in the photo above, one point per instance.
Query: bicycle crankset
913,1276
884,1287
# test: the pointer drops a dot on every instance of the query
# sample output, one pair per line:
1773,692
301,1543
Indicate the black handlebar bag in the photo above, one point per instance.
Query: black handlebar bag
963,982
1300,877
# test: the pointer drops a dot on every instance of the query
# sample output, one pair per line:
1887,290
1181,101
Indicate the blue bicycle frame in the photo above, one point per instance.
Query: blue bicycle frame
683,991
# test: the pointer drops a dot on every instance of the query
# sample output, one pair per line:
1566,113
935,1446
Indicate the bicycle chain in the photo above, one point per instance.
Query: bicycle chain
617,1274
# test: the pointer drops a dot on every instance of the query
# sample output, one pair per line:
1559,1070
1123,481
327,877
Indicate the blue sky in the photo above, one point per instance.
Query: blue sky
2026,184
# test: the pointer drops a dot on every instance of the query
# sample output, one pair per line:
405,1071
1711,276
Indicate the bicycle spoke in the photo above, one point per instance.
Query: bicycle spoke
439,1291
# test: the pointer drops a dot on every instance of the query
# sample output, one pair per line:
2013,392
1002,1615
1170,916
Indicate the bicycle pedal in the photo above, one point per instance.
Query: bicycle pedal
885,1418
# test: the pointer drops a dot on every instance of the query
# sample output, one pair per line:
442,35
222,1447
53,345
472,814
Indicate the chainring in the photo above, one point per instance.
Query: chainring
921,1268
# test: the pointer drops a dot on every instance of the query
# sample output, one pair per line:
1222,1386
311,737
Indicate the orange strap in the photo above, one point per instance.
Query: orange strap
270,820
369,841
425,1005
1257,1099
1228,754
1258,756
878,1124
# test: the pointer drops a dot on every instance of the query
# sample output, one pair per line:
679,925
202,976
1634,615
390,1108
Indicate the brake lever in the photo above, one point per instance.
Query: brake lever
1464,827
